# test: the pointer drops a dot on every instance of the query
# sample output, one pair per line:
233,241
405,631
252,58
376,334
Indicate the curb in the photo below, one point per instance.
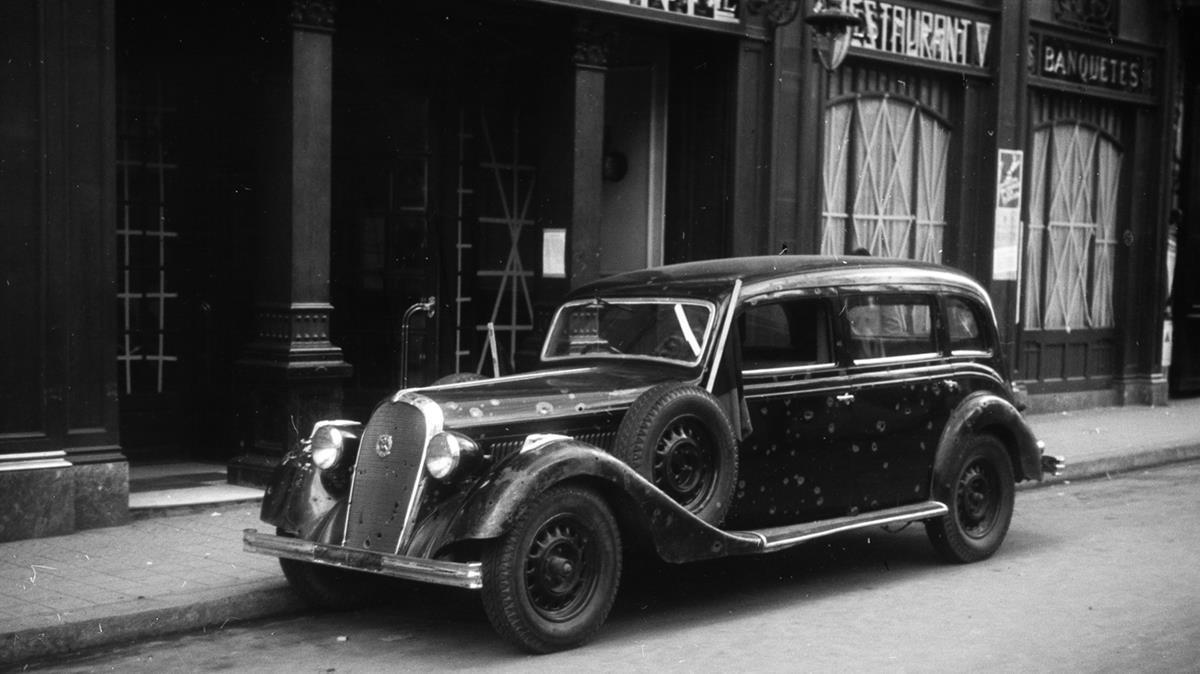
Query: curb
28,646
1104,466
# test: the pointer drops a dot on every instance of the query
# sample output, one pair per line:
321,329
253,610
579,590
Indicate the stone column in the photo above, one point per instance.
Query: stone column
584,111
291,373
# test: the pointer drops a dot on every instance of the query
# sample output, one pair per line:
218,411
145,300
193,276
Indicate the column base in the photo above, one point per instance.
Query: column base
281,402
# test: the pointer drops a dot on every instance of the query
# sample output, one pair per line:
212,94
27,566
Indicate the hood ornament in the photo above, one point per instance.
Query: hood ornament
383,446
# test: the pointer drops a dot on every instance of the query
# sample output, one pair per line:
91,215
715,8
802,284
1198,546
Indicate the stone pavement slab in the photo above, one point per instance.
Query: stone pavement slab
1104,440
153,576
180,572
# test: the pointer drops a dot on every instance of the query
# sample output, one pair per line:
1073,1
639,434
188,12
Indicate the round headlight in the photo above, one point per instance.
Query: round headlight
326,447
447,451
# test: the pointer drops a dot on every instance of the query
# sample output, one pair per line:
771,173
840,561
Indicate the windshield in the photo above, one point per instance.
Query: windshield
662,329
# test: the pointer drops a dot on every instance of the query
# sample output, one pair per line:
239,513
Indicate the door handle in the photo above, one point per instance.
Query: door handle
845,398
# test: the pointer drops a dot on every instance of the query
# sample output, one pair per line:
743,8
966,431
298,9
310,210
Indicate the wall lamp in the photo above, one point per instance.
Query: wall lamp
832,27
831,23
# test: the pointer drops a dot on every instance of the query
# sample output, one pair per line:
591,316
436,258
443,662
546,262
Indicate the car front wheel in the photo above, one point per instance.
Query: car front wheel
978,486
550,581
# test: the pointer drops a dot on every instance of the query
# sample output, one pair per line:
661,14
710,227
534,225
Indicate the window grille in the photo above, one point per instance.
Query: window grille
884,178
1071,245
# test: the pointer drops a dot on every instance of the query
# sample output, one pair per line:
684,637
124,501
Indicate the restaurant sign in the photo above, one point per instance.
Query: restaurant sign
920,33
718,10
1064,60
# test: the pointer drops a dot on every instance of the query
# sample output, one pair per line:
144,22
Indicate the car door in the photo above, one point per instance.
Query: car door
789,466
900,382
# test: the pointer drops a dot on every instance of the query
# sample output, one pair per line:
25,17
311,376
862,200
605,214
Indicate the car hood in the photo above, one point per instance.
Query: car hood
549,394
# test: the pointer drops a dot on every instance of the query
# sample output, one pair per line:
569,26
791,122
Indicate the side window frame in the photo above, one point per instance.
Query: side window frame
983,325
847,340
831,337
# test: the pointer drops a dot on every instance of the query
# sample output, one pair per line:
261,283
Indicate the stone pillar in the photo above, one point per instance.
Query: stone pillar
584,112
291,373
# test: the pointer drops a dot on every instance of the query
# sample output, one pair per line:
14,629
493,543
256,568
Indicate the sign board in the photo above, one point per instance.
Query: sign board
1092,65
924,34
717,10
1006,256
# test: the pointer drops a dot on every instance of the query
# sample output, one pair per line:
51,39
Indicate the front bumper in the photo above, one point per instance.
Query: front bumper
455,574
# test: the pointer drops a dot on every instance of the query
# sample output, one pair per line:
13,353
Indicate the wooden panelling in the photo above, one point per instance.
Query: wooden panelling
57,300
22,300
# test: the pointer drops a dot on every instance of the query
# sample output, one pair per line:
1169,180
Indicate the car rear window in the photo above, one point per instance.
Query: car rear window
963,325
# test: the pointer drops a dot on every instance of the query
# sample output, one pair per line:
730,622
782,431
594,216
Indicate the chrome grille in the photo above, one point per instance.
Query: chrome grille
386,488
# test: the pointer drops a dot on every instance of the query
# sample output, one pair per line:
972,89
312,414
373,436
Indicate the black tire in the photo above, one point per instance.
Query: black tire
678,437
329,587
550,581
979,488
457,378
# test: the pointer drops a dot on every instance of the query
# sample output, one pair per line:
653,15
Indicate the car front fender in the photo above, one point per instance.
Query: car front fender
984,412
676,534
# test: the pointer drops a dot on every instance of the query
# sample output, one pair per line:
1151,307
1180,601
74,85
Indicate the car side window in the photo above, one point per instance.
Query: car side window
963,326
791,333
884,326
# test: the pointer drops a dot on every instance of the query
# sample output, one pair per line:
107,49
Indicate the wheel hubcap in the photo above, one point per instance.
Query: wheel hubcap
978,499
684,464
558,578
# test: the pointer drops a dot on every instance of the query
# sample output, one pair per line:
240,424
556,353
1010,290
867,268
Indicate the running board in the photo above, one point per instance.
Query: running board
778,538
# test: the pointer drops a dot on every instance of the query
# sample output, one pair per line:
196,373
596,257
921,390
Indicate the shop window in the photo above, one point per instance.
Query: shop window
1072,228
884,178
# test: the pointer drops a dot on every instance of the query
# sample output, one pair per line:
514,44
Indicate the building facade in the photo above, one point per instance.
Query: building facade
229,219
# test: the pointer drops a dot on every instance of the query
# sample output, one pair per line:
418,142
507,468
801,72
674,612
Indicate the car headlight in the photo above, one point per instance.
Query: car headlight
448,451
326,445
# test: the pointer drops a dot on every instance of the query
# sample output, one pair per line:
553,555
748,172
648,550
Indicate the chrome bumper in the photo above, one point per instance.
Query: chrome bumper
455,574
1053,465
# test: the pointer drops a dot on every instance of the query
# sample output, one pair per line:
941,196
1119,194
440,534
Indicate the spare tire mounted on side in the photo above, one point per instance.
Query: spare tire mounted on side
678,437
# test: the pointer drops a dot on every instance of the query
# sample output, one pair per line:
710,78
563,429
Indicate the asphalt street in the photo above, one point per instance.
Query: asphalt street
1095,576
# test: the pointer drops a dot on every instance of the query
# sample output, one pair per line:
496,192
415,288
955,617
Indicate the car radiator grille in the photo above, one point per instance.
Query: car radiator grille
386,485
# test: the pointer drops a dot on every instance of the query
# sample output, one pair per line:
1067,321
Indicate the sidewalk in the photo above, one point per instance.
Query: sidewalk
178,572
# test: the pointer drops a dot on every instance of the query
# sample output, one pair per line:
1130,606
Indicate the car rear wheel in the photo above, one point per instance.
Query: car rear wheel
550,581
678,437
979,489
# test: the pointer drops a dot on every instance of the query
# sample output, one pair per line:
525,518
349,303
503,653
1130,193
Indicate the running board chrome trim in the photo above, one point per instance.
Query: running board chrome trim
778,538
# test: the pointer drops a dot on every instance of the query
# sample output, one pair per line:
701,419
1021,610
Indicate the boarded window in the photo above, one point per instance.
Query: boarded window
1072,227
884,178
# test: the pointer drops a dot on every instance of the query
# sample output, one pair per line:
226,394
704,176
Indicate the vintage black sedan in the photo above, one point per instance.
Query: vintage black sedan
719,408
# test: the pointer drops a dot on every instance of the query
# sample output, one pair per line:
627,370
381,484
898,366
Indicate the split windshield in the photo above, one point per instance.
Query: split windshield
671,330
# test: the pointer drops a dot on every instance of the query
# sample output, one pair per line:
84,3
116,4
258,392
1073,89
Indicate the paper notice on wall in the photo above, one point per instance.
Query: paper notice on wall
554,253
1006,258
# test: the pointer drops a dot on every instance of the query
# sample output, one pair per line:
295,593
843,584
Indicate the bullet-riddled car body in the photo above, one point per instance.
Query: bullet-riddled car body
709,409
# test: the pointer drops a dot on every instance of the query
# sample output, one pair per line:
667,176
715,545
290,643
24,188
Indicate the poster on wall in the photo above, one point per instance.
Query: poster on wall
554,253
1006,258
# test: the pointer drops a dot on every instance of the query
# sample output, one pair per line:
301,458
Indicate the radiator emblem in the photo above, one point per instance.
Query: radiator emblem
383,446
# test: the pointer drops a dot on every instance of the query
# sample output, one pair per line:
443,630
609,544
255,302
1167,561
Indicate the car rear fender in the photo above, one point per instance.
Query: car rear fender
986,413
676,534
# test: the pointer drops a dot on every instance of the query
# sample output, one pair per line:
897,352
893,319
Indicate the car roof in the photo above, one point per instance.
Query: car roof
766,275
